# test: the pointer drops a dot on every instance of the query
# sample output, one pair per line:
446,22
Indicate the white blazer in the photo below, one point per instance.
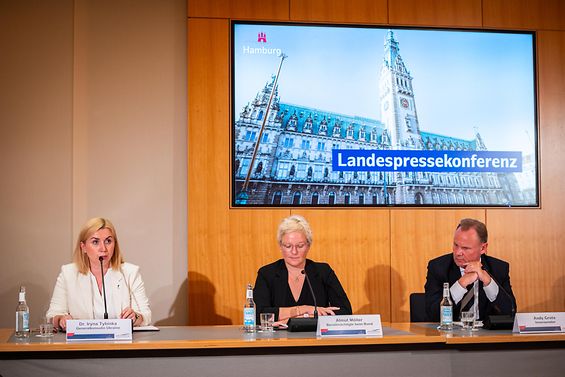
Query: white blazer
124,288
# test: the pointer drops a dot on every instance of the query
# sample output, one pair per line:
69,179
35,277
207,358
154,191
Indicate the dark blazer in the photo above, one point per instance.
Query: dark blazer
273,292
443,269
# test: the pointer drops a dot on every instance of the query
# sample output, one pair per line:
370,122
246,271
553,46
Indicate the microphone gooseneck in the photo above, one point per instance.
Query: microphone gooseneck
312,292
103,288
500,287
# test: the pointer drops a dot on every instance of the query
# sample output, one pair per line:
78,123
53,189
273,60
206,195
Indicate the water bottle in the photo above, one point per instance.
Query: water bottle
446,310
249,310
22,315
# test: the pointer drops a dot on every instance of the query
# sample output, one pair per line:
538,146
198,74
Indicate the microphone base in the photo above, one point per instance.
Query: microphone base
499,322
302,324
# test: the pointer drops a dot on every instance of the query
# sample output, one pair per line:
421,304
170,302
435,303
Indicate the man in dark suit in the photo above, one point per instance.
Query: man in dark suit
461,269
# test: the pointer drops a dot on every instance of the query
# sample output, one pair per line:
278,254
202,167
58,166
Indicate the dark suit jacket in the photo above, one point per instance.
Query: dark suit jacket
443,269
273,292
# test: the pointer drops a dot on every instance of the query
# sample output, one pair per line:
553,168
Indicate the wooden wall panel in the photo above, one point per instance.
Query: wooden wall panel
250,9
532,240
380,255
208,114
356,244
524,14
228,249
363,11
416,237
466,13
225,247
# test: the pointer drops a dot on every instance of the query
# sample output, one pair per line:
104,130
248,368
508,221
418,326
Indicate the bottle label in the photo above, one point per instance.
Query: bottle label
26,321
249,317
24,326
446,315
249,294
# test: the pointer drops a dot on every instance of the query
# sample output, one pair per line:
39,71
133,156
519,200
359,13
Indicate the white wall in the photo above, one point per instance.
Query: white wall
93,123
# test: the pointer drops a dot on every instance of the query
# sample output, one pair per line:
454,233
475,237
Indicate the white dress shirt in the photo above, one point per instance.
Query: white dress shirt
458,291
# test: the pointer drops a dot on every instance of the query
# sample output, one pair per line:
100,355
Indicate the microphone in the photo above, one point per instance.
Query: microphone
501,288
312,292
499,321
103,288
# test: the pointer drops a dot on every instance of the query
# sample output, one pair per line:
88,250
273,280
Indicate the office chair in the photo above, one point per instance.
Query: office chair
418,308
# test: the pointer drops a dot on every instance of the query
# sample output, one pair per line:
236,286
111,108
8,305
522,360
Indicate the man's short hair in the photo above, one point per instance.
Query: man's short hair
480,228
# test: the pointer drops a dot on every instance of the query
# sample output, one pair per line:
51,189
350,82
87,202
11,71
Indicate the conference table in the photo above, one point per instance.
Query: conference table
405,349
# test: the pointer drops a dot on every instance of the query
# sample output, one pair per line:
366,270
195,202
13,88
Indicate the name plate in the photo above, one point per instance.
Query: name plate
528,323
99,329
349,325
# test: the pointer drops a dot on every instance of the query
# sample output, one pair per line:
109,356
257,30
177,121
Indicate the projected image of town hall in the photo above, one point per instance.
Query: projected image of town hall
351,116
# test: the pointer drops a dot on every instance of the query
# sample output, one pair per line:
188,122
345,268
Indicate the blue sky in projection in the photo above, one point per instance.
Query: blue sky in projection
462,80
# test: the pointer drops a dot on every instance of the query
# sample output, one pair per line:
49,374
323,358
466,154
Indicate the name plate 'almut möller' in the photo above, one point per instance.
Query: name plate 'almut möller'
350,325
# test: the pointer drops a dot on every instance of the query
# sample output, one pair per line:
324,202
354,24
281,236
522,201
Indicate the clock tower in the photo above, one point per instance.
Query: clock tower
398,108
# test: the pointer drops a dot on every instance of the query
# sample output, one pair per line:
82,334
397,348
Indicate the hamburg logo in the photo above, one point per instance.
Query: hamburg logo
262,37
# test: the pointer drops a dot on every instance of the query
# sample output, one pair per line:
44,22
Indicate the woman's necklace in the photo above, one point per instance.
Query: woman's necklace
295,278
294,274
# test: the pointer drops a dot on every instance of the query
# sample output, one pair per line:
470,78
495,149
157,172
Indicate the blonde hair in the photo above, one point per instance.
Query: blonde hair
92,226
295,223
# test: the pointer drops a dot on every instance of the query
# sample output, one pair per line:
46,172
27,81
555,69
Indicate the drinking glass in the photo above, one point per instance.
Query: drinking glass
468,319
267,320
46,329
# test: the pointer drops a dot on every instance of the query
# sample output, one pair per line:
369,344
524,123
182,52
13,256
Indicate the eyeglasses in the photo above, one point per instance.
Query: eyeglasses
298,247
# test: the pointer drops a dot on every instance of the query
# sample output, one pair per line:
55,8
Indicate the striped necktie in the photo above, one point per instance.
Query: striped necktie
468,301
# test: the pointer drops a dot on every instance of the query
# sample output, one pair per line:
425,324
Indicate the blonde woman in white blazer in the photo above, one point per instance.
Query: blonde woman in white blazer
78,291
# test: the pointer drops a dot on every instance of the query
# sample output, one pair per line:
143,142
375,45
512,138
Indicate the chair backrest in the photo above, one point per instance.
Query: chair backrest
418,308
